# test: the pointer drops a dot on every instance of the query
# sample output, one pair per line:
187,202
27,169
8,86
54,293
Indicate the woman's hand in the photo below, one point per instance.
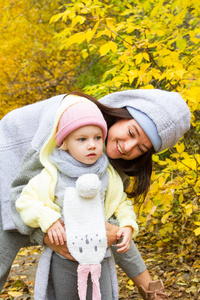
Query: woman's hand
111,233
61,249
125,233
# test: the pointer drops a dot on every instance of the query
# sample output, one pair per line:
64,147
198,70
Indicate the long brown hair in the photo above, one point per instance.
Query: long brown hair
141,167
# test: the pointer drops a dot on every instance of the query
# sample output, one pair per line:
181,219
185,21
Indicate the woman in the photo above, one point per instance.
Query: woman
153,121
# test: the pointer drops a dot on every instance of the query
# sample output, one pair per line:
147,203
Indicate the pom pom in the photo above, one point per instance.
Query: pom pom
88,185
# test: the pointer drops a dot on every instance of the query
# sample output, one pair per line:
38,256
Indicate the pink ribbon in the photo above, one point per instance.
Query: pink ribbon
83,272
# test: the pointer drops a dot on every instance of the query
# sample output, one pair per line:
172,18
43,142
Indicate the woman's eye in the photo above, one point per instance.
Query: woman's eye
130,133
141,150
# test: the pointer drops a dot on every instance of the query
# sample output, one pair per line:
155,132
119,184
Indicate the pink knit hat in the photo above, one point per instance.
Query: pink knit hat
79,115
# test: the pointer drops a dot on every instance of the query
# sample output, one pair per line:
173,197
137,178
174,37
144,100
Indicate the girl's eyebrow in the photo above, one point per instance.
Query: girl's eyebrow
138,133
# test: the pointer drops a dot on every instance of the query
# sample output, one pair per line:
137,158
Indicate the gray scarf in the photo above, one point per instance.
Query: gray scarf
69,166
69,169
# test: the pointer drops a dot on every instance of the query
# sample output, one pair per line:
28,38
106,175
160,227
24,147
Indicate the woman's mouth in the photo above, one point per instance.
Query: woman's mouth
119,149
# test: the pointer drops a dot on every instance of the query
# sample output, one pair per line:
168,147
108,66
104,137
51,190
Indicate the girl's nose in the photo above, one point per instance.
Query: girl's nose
91,144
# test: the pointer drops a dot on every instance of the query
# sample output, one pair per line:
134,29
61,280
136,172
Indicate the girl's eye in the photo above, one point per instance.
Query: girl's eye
81,139
97,138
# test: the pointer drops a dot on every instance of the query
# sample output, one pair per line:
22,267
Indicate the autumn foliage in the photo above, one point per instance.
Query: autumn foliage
105,46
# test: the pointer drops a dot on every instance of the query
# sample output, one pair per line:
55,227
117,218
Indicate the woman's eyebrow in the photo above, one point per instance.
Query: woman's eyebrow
138,133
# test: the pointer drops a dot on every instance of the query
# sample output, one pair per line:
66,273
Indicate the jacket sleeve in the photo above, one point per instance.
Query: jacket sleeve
30,167
35,206
125,214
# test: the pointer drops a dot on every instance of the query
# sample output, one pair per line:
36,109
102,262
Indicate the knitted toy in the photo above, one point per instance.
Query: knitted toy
85,230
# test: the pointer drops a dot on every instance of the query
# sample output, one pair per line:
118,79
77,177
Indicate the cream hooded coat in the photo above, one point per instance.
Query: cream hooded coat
36,204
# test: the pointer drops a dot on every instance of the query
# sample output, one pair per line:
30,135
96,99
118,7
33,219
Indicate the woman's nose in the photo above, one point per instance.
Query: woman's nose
130,144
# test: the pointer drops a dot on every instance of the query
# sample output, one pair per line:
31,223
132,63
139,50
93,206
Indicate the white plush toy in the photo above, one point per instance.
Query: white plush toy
85,230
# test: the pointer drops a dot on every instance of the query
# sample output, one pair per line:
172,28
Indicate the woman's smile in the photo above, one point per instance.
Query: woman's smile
119,148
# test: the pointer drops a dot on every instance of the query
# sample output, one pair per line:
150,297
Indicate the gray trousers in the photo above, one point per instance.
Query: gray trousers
64,274
130,262
64,277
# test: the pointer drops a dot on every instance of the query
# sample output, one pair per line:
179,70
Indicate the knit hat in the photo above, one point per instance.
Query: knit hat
167,112
79,115
147,125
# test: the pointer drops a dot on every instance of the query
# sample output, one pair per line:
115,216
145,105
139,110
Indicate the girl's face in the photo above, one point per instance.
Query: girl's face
127,140
85,144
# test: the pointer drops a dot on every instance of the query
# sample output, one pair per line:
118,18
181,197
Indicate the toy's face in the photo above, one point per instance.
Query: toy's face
85,144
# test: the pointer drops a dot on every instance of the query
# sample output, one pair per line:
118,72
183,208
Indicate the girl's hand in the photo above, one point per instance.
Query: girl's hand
126,234
111,233
56,233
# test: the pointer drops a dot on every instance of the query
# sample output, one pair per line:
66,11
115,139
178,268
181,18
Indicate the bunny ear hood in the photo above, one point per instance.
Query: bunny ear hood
50,143
167,110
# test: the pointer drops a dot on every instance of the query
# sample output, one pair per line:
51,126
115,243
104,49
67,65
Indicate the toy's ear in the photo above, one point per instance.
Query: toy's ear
88,185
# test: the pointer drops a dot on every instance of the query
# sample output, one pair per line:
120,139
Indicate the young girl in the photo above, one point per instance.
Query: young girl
81,131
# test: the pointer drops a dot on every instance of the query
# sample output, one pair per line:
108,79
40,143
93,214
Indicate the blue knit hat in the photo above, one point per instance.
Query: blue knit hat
147,125
166,110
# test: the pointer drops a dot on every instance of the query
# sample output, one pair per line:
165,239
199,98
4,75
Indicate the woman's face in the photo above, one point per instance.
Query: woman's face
127,140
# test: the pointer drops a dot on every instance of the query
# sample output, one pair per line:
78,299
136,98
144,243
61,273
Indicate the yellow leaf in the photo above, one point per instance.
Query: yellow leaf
197,223
155,158
56,18
15,294
167,200
138,58
148,86
146,56
180,73
78,19
128,41
75,38
161,182
104,49
132,75
181,198
165,217
148,206
113,46
168,228
160,244
157,8
180,148
84,54
197,231
189,209
22,253
92,32
110,24
130,282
